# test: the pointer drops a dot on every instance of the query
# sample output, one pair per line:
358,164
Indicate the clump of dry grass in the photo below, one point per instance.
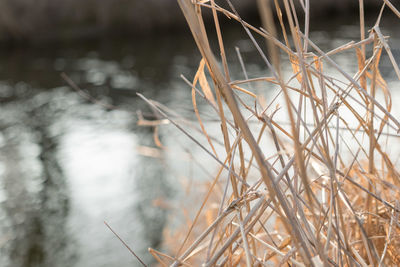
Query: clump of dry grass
308,204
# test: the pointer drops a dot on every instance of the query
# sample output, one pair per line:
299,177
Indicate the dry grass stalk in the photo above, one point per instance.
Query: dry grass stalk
307,204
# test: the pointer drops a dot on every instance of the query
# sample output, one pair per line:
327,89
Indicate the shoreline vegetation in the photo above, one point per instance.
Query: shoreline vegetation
25,21
328,194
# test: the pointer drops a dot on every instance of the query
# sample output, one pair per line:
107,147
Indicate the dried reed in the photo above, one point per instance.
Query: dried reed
308,204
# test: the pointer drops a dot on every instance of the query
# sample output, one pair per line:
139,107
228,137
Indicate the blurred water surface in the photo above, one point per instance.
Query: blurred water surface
68,164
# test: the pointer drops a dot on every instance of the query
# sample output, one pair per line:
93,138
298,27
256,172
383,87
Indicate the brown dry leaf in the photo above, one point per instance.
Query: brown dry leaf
205,87
361,65
318,64
383,85
296,68
206,90
379,81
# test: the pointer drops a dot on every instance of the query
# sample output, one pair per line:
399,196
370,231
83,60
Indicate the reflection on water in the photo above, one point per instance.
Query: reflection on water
67,165
99,164
35,201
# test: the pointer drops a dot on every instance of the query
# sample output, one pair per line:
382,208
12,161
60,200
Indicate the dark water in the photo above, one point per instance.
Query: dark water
68,164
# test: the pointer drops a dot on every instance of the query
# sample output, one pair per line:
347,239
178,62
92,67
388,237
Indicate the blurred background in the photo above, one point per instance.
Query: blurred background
70,160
